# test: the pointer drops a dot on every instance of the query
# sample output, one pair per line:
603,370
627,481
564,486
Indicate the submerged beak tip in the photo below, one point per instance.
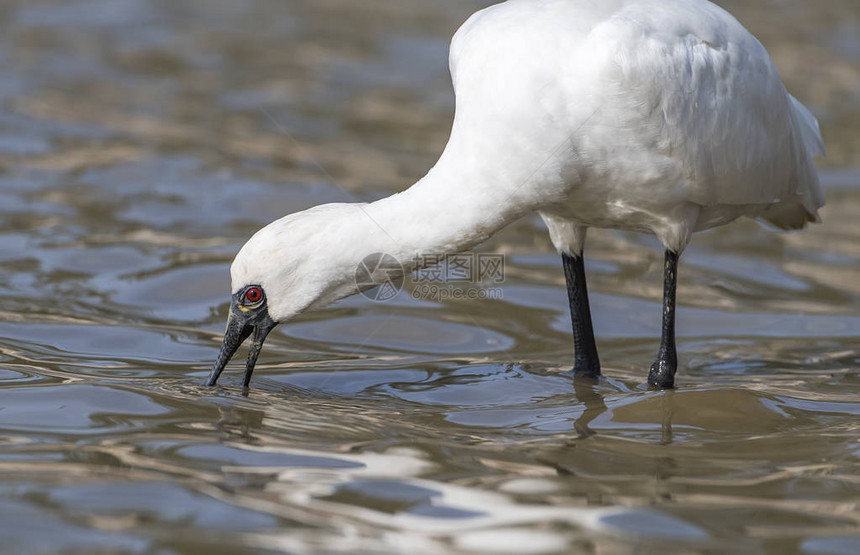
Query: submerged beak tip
239,327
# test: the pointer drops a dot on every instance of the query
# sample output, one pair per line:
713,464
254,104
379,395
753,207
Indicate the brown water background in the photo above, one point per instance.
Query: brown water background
142,142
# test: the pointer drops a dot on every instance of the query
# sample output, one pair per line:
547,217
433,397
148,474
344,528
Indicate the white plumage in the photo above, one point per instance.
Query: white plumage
662,116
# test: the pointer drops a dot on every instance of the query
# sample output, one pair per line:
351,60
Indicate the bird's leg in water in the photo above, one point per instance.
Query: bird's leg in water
586,361
662,373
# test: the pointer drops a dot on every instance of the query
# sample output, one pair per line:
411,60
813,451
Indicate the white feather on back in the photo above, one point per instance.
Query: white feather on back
630,109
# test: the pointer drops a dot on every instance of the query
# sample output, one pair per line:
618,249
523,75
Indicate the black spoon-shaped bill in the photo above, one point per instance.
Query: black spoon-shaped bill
240,326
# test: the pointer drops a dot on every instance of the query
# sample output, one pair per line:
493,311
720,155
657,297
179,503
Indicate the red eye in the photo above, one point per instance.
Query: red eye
253,295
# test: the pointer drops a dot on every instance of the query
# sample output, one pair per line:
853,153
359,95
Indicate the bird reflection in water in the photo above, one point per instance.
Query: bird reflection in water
588,392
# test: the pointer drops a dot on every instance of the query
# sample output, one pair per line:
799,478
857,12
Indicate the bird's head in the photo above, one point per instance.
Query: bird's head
300,262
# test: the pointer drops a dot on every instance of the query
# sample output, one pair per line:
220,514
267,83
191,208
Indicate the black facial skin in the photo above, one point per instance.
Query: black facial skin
246,319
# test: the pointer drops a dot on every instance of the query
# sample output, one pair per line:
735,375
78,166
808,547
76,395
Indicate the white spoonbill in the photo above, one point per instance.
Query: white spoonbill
662,116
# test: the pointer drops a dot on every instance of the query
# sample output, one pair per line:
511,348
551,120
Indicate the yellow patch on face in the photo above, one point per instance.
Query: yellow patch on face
244,308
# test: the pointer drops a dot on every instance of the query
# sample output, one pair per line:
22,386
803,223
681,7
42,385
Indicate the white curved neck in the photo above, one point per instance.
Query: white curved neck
451,209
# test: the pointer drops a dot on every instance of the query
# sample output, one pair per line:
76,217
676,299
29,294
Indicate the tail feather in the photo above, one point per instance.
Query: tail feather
806,144
809,131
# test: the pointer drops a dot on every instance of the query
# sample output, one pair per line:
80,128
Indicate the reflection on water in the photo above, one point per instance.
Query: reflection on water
143,141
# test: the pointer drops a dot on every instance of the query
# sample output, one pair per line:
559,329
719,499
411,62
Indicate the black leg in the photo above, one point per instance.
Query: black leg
586,362
662,373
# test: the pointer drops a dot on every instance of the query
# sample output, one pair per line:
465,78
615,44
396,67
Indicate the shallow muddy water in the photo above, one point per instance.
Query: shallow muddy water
141,143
